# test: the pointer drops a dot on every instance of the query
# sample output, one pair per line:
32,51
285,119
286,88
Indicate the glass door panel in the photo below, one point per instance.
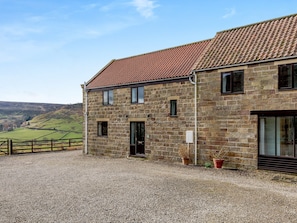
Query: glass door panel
285,134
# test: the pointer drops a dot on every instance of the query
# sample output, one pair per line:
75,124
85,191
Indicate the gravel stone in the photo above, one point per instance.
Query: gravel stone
71,187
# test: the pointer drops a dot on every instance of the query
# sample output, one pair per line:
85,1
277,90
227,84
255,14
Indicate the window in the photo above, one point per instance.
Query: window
108,97
287,76
277,136
173,107
102,128
137,95
232,82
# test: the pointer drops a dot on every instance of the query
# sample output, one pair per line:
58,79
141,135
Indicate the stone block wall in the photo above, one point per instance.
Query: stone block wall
224,120
164,133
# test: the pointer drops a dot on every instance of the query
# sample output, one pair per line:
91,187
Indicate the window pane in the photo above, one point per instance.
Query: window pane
285,76
134,95
110,97
140,95
173,109
105,97
104,128
237,82
295,75
285,136
267,136
133,133
226,79
99,129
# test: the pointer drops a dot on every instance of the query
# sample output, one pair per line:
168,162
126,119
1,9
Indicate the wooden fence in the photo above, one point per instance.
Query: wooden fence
10,147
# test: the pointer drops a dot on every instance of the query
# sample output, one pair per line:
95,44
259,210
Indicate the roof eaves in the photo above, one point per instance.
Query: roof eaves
246,63
139,83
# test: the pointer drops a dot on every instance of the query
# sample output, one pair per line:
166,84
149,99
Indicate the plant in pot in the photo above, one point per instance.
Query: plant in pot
184,154
218,157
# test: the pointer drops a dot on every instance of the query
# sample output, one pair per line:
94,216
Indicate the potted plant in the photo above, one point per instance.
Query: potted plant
218,157
184,154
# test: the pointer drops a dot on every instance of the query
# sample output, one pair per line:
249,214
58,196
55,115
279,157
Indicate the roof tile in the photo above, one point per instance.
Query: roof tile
273,39
164,64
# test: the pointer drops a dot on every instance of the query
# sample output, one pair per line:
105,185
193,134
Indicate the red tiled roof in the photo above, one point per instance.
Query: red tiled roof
164,64
273,39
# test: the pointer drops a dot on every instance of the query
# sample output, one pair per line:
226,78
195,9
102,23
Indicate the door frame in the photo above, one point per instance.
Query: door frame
137,138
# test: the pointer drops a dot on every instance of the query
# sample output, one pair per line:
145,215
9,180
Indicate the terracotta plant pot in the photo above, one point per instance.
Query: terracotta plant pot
186,161
218,163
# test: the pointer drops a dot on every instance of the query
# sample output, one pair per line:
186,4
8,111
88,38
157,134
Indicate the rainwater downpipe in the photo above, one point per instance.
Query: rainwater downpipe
195,112
86,118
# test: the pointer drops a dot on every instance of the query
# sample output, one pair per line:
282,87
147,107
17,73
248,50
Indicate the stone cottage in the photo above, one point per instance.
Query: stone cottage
142,105
246,99
248,95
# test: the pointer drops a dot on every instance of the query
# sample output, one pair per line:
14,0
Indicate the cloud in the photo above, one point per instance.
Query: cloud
145,7
230,12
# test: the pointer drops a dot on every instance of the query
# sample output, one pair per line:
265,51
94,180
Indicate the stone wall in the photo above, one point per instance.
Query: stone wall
164,134
225,120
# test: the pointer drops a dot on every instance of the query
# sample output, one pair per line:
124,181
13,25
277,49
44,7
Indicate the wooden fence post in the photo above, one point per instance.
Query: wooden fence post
32,146
52,144
9,146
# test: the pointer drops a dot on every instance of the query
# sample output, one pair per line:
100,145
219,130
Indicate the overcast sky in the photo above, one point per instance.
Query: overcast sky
48,48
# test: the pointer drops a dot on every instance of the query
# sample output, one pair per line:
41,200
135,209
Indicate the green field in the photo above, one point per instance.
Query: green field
30,134
60,124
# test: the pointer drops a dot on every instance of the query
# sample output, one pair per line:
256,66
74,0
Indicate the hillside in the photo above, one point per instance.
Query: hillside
13,114
64,122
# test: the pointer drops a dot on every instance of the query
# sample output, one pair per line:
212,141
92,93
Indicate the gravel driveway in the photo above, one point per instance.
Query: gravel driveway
70,187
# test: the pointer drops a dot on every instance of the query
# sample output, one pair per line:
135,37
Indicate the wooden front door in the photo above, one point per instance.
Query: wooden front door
137,137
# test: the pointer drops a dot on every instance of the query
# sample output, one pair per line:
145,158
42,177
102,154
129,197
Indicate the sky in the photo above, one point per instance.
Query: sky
48,48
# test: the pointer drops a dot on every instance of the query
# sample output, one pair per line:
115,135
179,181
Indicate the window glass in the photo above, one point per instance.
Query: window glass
277,136
140,95
232,82
267,136
137,95
110,97
295,75
285,76
102,128
173,107
105,97
237,82
134,95
226,81
285,136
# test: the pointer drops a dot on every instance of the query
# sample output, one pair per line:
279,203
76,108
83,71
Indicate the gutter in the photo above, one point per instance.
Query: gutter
86,118
182,78
246,63
195,113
